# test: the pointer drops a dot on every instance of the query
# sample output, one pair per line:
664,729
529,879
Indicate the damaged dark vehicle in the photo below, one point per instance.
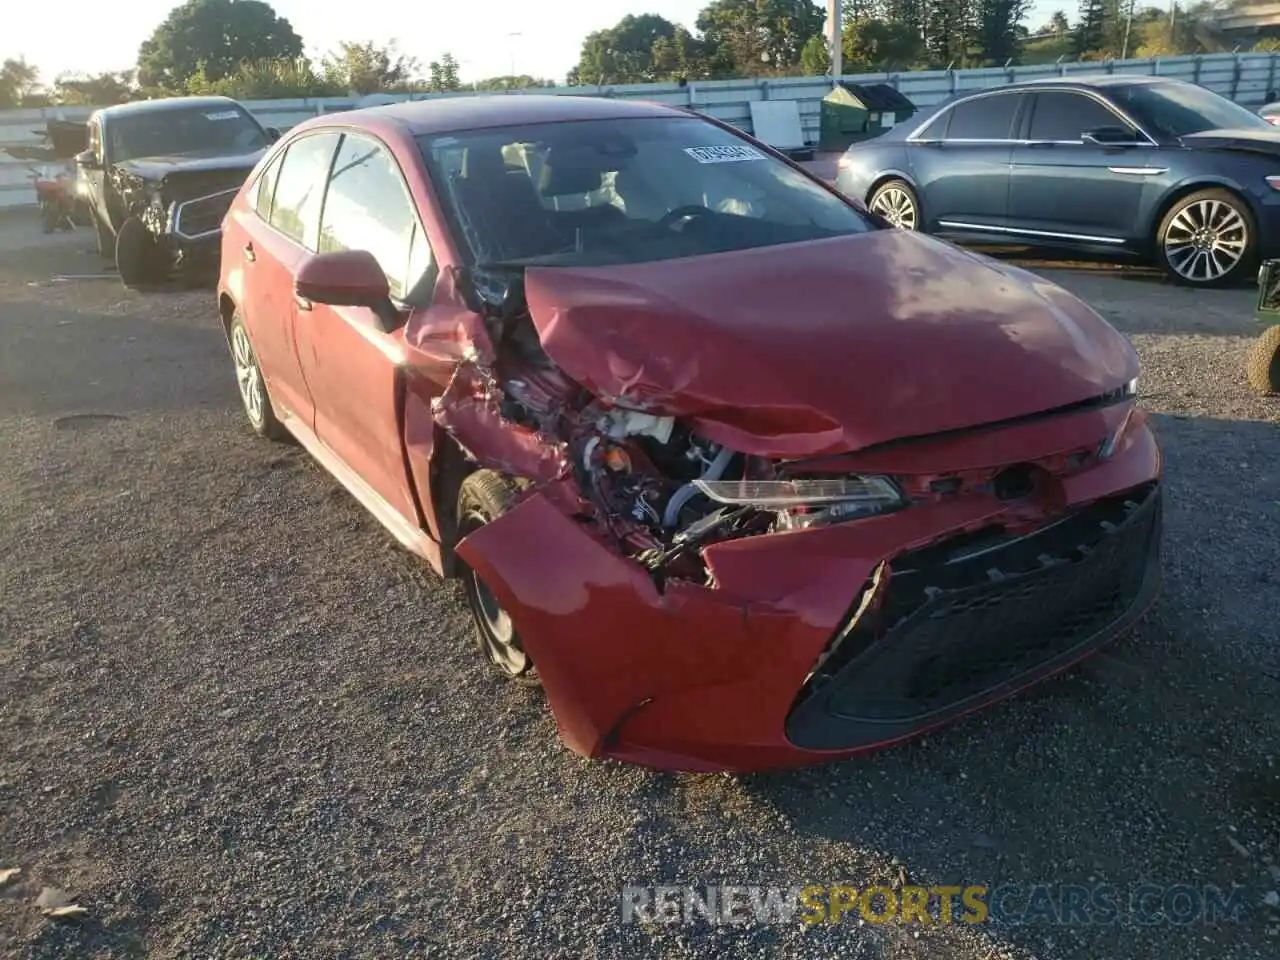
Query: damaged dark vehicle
159,177
742,476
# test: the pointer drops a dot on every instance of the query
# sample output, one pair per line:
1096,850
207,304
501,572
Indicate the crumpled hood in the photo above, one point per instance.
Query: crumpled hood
155,168
1260,139
815,348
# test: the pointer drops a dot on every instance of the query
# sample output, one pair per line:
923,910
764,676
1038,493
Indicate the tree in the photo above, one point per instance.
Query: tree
18,81
522,82
266,80
1091,28
997,36
368,68
623,53
815,58
444,75
214,37
879,45
100,90
752,37
951,28
681,56
1058,24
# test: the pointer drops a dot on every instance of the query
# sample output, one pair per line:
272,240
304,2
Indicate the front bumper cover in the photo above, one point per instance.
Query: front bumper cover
703,678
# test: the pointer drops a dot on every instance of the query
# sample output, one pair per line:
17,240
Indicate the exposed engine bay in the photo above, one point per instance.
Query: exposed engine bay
647,482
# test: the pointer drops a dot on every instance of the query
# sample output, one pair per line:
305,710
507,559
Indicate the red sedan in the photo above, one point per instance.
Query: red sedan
741,475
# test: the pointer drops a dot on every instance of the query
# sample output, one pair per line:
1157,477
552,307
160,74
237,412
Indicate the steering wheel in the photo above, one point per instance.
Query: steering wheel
686,212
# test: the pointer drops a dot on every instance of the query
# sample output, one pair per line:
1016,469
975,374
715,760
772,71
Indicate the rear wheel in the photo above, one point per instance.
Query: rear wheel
484,497
1263,364
896,202
253,388
1208,239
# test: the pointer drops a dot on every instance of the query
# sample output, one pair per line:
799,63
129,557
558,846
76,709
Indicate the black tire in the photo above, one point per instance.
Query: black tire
137,259
483,497
106,239
1223,231
901,206
1262,366
252,387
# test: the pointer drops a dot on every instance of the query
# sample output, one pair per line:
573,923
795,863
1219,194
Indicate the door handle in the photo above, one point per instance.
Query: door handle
249,254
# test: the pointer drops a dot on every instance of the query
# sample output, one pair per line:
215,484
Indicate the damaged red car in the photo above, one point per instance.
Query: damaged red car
741,475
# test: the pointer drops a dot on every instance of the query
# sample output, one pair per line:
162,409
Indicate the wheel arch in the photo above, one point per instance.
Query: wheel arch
450,465
885,176
226,311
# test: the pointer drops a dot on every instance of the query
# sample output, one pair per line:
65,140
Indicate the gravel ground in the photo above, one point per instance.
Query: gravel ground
238,722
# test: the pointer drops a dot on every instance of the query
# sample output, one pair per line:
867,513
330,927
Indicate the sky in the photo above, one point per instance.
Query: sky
478,33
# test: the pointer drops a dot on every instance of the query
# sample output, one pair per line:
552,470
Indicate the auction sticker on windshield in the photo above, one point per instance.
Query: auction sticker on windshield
724,154
222,115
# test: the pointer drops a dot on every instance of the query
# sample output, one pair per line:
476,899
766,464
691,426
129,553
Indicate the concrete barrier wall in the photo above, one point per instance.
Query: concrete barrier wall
1243,77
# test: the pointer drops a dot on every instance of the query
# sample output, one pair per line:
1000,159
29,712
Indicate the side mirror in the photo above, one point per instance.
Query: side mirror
1109,137
87,159
273,134
347,278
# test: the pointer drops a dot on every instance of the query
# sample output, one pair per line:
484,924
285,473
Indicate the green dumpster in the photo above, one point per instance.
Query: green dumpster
853,111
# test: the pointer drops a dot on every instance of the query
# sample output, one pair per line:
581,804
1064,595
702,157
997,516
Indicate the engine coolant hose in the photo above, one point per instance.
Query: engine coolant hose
689,490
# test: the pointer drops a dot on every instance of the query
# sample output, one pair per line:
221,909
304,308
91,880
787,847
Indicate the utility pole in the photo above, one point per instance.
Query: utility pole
835,40
1128,26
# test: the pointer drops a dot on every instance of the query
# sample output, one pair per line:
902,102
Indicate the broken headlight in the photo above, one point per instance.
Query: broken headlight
809,503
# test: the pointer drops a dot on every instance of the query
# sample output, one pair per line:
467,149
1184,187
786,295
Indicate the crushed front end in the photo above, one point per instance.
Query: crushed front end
693,605
182,210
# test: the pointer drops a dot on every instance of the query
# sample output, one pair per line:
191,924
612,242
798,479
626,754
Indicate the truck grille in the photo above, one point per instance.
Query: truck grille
203,216
969,619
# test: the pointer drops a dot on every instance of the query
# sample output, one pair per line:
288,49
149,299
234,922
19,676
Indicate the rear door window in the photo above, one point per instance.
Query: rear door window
299,187
984,118
265,189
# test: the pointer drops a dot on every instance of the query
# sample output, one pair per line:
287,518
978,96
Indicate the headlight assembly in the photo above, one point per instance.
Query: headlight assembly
807,503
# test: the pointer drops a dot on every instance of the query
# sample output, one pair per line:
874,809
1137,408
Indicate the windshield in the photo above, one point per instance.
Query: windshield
1179,109
623,191
211,130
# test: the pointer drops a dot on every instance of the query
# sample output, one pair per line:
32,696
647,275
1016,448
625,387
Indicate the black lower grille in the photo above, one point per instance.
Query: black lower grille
962,621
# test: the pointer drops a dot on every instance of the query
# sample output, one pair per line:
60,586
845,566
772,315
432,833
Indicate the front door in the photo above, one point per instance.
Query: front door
354,369
961,163
1063,187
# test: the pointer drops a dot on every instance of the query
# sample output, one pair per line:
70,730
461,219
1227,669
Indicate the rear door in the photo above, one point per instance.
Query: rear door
354,370
1062,186
960,162
271,241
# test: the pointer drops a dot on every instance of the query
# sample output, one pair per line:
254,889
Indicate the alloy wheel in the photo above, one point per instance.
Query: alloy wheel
1206,240
895,205
248,376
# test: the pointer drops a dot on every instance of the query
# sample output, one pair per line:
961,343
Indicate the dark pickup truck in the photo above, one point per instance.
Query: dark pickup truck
160,175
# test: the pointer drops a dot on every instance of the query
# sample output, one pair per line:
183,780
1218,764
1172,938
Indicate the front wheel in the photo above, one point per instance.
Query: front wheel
1208,239
137,256
896,202
484,497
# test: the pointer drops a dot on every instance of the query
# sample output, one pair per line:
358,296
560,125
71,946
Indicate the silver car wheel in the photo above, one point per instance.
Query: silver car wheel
896,205
1205,240
248,376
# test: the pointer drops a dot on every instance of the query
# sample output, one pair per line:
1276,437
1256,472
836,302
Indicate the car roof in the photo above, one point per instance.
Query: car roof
1089,81
163,103
456,114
